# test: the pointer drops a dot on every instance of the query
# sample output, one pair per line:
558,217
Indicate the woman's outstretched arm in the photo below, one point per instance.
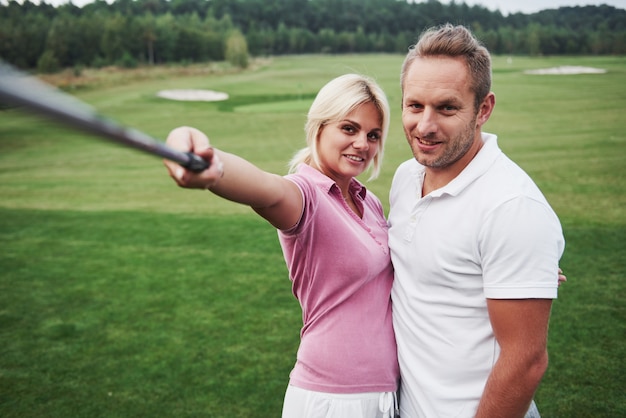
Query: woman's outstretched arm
275,198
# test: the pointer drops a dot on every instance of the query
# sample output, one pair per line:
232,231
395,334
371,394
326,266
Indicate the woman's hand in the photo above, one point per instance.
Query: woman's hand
562,277
188,139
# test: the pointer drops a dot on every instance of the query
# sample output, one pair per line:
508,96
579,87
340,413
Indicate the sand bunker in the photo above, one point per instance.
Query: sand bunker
567,69
193,95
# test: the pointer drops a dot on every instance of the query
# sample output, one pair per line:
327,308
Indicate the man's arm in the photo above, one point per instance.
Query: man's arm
521,329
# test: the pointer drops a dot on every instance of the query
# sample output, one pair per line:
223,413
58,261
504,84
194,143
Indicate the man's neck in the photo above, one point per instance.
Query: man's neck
438,177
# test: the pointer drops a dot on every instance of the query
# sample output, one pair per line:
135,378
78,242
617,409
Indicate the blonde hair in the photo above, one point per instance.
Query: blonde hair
334,102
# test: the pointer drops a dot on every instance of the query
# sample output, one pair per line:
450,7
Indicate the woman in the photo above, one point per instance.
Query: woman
333,234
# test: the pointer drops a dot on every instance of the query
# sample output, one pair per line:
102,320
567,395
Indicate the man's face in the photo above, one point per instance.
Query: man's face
438,113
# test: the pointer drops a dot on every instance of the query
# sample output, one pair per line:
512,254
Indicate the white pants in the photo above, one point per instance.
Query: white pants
302,403
533,412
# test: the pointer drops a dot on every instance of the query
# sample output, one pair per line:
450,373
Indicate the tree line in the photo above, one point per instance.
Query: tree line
132,32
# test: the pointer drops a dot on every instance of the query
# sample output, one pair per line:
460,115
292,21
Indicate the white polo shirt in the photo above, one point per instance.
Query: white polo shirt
489,233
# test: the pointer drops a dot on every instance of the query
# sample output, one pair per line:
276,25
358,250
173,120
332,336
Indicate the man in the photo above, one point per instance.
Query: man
474,244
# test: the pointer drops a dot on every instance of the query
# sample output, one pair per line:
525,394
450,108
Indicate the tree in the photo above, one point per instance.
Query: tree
533,39
61,41
147,25
165,38
113,38
161,31
237,50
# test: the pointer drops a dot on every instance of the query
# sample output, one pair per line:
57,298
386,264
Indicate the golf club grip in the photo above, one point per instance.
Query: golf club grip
20,89
195,163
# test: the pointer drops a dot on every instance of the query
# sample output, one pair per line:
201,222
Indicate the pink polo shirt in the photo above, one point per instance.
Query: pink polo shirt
342,275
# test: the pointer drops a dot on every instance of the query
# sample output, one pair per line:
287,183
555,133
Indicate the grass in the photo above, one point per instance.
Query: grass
124,296
110,318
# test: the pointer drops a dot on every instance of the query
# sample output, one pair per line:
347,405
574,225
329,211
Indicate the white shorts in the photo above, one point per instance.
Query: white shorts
302,403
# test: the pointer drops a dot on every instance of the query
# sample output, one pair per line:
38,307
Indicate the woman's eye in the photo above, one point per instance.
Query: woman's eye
374,136
348,128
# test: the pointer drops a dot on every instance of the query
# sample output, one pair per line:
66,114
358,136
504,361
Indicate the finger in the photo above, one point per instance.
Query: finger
180,140
198,140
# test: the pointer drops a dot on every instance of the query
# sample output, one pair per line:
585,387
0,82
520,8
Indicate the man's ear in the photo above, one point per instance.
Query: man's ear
485,109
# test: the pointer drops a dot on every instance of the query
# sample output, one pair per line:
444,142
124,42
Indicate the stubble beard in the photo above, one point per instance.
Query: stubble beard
454,150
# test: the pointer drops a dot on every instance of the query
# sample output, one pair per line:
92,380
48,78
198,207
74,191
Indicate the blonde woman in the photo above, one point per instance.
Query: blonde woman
333,234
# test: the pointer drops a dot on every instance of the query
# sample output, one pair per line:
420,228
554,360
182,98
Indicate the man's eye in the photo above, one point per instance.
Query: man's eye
448,110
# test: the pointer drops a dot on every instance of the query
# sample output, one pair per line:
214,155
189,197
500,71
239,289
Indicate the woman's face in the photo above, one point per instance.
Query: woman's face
346,148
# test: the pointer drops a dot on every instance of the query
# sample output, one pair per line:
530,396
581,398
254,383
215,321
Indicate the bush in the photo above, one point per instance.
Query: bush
237,50
77,70
48,63
99,62
127,61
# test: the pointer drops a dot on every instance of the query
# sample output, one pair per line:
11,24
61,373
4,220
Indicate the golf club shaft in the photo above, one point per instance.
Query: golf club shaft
19,89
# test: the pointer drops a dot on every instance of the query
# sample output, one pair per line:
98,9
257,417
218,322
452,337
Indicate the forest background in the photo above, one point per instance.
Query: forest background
130,33
122,295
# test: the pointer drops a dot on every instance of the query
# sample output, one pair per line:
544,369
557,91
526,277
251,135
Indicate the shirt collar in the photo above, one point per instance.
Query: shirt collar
485,157
326,183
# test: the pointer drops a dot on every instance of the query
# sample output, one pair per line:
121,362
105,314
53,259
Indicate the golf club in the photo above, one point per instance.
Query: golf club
20,89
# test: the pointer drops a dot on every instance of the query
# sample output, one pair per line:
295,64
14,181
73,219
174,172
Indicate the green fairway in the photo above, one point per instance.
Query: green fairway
122,295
